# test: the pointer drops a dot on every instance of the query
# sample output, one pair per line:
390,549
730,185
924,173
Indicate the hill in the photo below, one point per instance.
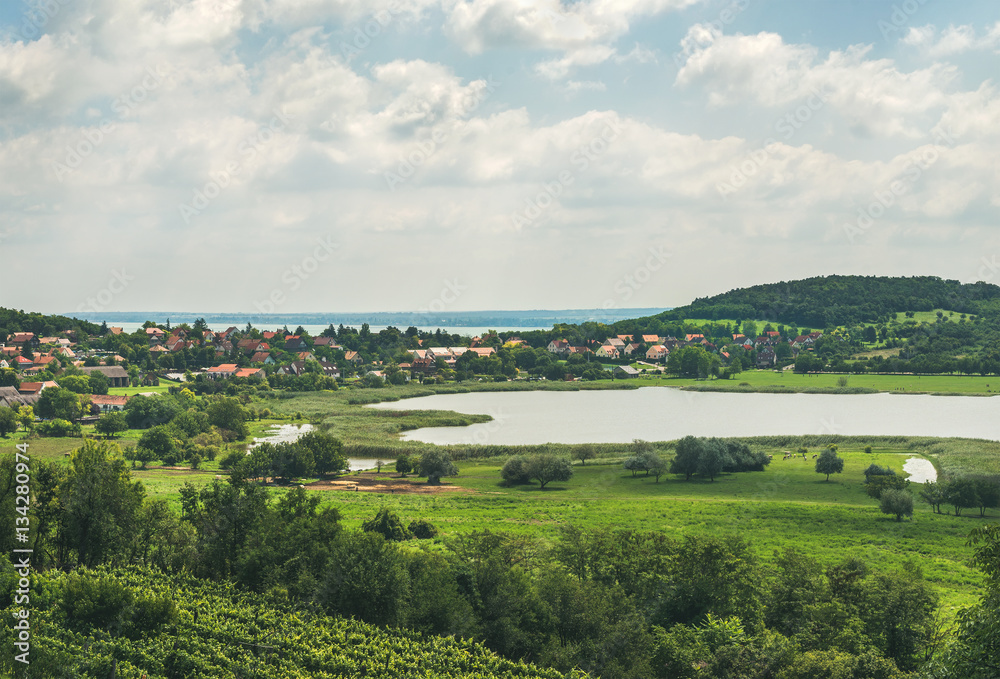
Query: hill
826,301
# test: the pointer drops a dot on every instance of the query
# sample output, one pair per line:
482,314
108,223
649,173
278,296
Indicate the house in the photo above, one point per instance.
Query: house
354,357
268,335
329,369
24,339
295,343
615,342
254,373
630,349
228,332
11,397
158,349
433,352
625,371
560,347
221,372
31,388
483,352
607,351
10,351
772,334
326,342
117,376
625,339
21,363
765,357
694,337
579,350
4,363
423,365
650,339
65,351
739,339
306,356
106,404
115,330
154,333
262,357
657,352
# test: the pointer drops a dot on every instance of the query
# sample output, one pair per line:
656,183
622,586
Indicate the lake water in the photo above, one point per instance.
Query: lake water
919,470
286,433
659,414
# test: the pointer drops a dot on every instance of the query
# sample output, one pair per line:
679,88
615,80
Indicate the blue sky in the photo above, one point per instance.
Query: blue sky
259,155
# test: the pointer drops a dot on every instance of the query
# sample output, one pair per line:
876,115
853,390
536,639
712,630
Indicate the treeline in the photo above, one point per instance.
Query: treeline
827,301
43,325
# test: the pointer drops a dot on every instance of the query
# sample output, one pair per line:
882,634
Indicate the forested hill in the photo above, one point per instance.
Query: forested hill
826,301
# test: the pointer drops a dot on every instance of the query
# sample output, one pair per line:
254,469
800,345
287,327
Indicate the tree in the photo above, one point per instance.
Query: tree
584,452
227,413
97,382
933,493
898,502
142,412
327,451
713,459
829,462
388,524
8,421
657,466
100,503
961,494
547,467
987,493
434,465
26,417
877,485
59,403
403,464
111,424
78,384
9,378
158,441
688,452
514,471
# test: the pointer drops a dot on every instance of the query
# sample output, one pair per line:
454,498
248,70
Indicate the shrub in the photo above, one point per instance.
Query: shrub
230,459
388,525
515,471
59,428
423,530
898,502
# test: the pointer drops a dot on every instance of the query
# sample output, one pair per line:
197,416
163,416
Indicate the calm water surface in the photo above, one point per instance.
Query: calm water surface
659,413
286,433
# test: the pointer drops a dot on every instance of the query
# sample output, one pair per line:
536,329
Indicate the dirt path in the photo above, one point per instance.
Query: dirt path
370,483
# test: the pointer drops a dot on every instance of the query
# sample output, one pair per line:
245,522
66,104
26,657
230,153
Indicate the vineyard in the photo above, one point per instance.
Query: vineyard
140,623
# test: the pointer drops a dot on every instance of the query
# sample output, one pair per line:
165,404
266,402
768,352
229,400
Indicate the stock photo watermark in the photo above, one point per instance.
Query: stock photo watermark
581,159
629,284
93,137
296,275
222,179
900,17
38,16
887,196
408,164
725,17
449,295
100,301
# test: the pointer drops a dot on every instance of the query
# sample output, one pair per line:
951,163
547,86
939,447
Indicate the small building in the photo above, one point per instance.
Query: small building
657,352
107,403
221,372
117,375
626,371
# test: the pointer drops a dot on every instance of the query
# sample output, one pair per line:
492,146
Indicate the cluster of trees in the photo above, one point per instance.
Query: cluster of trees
967,492
710,457
541,467
313,453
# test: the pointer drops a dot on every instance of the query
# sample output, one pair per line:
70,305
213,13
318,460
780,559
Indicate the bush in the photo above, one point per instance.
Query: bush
230,459
387,524
423,530
878,485
59,428
898,502
515,471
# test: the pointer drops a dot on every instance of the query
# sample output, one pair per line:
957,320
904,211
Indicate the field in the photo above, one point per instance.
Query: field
791,381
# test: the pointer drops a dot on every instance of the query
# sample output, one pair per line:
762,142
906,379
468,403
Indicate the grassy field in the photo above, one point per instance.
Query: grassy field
788,505
132,391
755,380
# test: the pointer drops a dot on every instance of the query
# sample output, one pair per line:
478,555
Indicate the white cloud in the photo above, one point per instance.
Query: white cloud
952,40
873,95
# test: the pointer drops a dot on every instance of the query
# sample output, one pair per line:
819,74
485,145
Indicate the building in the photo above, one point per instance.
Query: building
626,371
117,376
221,372
107,404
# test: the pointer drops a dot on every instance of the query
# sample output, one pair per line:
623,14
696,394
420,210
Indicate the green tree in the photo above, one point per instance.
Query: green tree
829,462
547,467
515,471
403,464
366,578
897,502
987,493
9,378
686,456
436,464
713,459
585,451
227,413
961,494
97,382
26,417
59,403
8,421
159,442
142,412
327,451
933,493
111,423
100,504
78,384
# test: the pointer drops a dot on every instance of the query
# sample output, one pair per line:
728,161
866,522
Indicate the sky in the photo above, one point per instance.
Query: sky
282,156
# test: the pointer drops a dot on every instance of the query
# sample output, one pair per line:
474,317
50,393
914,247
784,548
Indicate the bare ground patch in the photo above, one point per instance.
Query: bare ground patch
369,483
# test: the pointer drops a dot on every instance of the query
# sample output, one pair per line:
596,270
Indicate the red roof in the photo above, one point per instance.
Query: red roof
100,400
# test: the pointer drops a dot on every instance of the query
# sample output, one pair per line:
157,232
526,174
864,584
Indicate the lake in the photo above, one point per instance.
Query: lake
660,413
